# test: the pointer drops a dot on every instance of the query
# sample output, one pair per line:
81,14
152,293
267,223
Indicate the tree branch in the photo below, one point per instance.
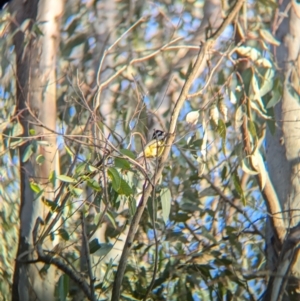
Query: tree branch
51,260
200,61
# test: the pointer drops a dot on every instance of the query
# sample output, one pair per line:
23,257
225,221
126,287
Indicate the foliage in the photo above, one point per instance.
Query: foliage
202,235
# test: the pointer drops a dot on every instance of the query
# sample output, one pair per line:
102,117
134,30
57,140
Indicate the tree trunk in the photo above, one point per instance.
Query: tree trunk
283,155
36,104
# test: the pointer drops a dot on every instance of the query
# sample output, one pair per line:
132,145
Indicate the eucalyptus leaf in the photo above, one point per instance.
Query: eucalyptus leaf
165,196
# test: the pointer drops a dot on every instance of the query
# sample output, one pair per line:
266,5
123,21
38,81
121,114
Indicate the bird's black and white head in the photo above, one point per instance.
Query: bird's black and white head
158,135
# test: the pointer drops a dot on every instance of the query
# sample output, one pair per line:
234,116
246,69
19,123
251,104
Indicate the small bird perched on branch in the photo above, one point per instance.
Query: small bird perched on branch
155,147
153,150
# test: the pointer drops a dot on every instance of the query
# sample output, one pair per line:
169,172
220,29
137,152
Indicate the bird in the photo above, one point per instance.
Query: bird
153,150
155,147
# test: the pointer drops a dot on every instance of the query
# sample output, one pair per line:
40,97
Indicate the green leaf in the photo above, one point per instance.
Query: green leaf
94,245
195,144
247,76
252,129
125,189
17,129
152,208
222,132
40,159
15,143
108,269
92,183
72,42
27,153
128,153
271,123
208,191
180,217
63,234
118,184
111,218
69,152
76,191
80,168
276,93
53,206
37,29
165,196
122,163
276,96
35,187
254,94
238,187
73,24
99,249
239,115
189,68
224,173
63,287
32,132
205,269
92,168
115,178
44,270
52,177
268,82
132,207
66,179
129,297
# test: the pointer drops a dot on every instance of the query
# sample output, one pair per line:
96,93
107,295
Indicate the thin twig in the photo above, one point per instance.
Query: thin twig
156,243
105,197
210,76
132,62
58,196
141,20
231,203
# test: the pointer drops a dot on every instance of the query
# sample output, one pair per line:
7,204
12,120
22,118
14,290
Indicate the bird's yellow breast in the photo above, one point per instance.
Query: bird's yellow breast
154,149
